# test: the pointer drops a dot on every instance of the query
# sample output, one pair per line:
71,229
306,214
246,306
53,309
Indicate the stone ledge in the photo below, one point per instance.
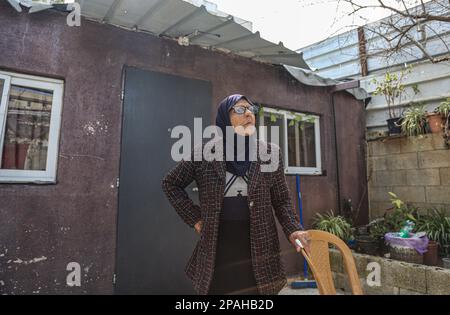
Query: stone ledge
397,277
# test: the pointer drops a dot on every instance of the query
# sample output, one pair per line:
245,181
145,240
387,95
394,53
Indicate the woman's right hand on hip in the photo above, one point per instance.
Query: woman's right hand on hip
198,226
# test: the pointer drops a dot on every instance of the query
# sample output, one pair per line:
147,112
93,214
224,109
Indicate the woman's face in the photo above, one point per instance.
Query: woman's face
243,124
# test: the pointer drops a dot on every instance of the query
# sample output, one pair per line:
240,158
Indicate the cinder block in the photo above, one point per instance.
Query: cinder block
361,262
418,143
422,207
423,177
402,161
378,290
438,281
377,209
403,291
433,159
377,163
384,147
380,194
387,278
396,277
439,194
390,178
336,261
409,276
438,142
410,193
341,282
445,176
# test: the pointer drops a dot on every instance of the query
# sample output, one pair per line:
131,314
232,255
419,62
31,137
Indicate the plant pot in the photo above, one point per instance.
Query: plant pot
394,126
406,254
435,122
446,263
367,245
430,258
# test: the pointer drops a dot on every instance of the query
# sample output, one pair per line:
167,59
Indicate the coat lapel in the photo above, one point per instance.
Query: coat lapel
254,173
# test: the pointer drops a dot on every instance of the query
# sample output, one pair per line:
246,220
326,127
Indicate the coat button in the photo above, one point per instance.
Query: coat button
251,204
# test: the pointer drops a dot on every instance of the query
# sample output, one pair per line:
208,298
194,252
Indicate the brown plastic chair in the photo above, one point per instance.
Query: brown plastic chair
319,262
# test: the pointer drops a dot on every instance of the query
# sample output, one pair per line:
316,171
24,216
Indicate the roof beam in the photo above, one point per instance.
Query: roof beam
184,19
213,29
150,12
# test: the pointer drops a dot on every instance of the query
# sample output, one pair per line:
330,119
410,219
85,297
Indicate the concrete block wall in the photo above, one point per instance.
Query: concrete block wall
417,169
396,277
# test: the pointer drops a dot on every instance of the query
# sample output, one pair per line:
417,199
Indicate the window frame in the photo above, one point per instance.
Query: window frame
57,87
285,115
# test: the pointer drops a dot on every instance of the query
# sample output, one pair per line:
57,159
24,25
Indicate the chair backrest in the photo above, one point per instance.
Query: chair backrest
319,262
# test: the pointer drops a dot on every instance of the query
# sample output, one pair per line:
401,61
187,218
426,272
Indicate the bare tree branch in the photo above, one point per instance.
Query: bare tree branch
398,30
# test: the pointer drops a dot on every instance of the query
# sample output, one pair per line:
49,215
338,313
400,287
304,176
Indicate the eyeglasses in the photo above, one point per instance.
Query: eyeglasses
240,110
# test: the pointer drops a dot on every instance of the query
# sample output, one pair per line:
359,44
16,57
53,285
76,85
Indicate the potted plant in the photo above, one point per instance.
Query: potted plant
367,244
414,121
334,224
396,218
436,118
377,230
392,88
437,228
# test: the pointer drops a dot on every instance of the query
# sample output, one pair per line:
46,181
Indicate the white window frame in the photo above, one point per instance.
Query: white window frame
57,87
285,115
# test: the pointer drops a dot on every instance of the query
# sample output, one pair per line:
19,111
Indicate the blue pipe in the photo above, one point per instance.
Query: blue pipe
300,209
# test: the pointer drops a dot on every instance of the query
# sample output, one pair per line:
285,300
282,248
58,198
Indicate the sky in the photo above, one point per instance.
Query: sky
299,23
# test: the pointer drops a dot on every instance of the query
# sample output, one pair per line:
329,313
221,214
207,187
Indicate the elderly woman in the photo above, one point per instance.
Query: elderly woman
238,251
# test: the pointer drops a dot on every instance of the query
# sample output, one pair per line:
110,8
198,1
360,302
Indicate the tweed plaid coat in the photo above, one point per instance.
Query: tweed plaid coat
267,191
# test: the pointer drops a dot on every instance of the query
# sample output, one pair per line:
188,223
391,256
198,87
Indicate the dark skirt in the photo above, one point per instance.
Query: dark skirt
233,271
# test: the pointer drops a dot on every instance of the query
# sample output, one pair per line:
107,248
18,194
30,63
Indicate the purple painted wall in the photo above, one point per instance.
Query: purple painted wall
75,219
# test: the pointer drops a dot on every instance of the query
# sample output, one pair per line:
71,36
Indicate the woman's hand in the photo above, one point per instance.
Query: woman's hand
304,238
198,226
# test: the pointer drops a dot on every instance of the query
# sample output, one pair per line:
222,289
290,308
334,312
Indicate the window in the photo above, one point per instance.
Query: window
299,139
30,117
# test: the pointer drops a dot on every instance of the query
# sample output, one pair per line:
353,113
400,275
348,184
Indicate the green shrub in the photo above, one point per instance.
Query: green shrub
414,121
436,225
396,218
334,224
378,228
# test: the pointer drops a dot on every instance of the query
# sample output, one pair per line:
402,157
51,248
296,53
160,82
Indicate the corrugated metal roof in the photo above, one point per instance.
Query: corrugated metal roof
337,57
177,18
310,78
200,23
